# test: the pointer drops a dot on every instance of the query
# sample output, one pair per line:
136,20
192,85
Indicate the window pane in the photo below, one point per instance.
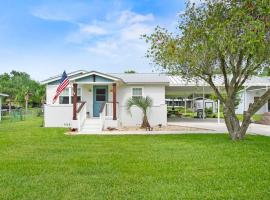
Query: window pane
64,100
79,91
65,92
100,97
101,91
137,92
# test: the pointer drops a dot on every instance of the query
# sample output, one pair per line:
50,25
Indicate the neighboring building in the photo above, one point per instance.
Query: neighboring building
1,97
102,98
255,88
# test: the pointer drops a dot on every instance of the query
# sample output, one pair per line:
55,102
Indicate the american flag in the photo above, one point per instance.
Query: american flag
63,84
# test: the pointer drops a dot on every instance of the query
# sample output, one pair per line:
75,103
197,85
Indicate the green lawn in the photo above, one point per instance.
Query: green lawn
39,163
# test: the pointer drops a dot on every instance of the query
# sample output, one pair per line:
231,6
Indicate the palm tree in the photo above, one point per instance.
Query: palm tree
143,103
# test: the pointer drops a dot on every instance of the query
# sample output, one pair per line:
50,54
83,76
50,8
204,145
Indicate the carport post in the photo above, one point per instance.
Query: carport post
185,106
203,104
218,102
193,107
266,87
245,91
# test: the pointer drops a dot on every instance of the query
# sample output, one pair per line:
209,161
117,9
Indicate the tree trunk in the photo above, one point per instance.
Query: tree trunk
145,123
236,130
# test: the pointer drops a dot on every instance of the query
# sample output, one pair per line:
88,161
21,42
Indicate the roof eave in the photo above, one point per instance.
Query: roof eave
148,83
97,73
49,80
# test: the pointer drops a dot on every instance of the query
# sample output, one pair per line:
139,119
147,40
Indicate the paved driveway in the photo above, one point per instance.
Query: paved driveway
212,124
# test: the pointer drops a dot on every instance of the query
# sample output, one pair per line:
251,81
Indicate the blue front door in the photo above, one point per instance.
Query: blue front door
99,97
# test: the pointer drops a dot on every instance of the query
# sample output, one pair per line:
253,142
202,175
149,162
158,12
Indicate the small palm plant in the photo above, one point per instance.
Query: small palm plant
144,103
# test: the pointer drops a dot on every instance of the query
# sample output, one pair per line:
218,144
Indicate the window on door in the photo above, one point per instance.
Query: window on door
100,94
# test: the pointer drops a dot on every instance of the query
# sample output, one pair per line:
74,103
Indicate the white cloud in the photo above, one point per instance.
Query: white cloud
128,17
134,31
117,39
58,11
104,48
111,36
93,29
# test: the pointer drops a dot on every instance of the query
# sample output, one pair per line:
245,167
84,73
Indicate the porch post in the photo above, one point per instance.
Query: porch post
114,101
75,100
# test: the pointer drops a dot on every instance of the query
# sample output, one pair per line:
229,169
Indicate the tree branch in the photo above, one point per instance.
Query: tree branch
254,107
223,69
211,83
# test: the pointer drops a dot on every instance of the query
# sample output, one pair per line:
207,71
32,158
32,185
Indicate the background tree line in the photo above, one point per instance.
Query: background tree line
21,89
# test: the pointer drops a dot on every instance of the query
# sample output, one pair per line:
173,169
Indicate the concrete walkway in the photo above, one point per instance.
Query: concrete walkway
207,126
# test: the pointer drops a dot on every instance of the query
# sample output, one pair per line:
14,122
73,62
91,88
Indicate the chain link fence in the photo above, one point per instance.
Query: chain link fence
20,114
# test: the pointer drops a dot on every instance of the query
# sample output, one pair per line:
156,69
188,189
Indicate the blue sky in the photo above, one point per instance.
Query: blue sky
45,37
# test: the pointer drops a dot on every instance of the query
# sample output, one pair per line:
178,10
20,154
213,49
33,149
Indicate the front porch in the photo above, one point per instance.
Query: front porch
98,107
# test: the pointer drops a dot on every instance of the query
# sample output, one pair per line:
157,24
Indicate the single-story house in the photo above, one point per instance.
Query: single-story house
94,101
1,97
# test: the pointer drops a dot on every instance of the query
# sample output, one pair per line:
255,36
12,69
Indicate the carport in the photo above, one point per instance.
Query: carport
253,88
184,88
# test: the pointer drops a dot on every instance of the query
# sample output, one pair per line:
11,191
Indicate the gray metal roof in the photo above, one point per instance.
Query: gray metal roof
155,78
142,78
218,81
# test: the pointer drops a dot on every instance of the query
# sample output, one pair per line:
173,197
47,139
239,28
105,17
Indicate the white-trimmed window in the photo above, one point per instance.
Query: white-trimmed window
137,93
64,97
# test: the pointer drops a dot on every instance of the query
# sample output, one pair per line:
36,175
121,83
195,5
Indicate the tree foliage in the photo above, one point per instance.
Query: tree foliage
18,84
130,71
228,38
143,103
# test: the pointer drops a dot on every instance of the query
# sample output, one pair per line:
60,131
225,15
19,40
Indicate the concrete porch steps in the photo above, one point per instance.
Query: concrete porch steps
91,125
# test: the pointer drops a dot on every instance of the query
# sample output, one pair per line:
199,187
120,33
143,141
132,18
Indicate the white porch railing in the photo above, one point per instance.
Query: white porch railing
81,115
106,112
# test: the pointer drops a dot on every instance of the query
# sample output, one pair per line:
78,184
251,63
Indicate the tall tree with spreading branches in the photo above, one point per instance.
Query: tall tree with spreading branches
228,38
